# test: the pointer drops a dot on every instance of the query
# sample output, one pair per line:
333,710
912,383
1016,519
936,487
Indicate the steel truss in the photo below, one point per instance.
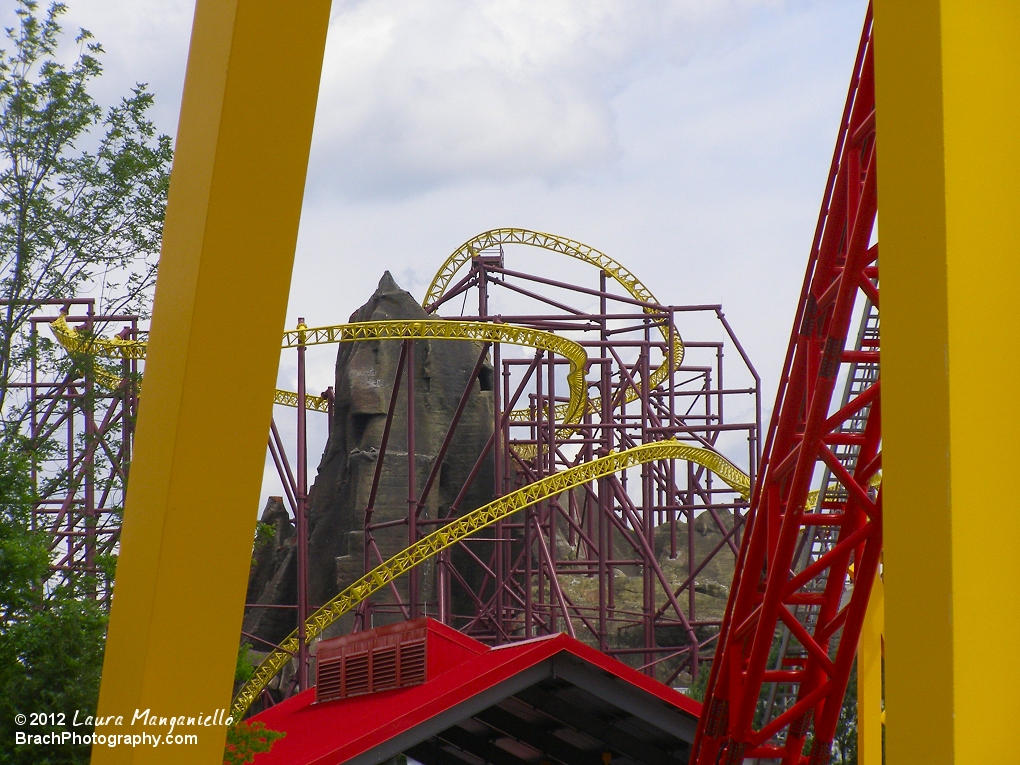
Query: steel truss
806,570
611,525
81,412
618,529
599,383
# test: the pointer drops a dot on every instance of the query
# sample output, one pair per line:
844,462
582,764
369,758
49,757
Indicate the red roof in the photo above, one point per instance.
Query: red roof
464,676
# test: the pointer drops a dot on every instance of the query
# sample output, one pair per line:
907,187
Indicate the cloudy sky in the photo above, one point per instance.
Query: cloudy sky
689,139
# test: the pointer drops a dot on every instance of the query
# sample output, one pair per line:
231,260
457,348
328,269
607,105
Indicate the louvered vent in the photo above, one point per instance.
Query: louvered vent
384,669
412,663
329,681
356,675
368,663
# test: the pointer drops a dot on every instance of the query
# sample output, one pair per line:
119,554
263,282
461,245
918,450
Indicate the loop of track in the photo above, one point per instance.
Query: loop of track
573,249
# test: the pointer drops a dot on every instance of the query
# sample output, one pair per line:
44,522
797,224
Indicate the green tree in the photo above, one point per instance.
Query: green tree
844,750
82,198
247,739
71,219
51,639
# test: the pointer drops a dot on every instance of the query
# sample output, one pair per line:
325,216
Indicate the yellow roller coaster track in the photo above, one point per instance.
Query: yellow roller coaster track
477,520
573,249
74,341
422,329
118,348
472,522
443,329
451,329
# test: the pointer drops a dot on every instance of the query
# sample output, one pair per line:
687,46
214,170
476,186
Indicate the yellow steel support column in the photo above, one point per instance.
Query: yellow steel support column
948,95
228,247
870,717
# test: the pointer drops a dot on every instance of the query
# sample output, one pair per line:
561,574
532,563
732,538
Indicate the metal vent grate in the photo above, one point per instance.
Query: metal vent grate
356,665
356,675
384,669
412,663
329,682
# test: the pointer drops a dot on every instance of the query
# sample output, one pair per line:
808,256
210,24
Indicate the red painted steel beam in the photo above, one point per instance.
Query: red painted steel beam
778,590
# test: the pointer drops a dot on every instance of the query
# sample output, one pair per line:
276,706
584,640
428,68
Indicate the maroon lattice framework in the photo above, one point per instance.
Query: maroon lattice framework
595,533
80,428
637,523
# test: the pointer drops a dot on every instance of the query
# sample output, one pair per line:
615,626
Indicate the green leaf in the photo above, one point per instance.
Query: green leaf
245,740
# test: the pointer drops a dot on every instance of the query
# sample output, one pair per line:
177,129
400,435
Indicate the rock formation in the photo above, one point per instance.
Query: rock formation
364,379
337,501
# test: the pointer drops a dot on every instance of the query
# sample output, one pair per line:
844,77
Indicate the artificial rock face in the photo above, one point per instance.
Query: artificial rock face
339,497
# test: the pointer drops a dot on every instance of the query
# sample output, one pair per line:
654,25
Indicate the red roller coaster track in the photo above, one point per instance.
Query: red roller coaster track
806,567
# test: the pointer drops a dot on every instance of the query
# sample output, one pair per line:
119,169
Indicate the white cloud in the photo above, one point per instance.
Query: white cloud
144,41
689,139
417,96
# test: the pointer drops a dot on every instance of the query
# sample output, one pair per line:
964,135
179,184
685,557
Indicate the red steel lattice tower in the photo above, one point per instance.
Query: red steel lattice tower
808,560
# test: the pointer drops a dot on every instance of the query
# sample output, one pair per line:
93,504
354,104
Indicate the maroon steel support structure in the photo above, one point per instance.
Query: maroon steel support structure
614,563
806,567
605,562
620,525
301,515
80,434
